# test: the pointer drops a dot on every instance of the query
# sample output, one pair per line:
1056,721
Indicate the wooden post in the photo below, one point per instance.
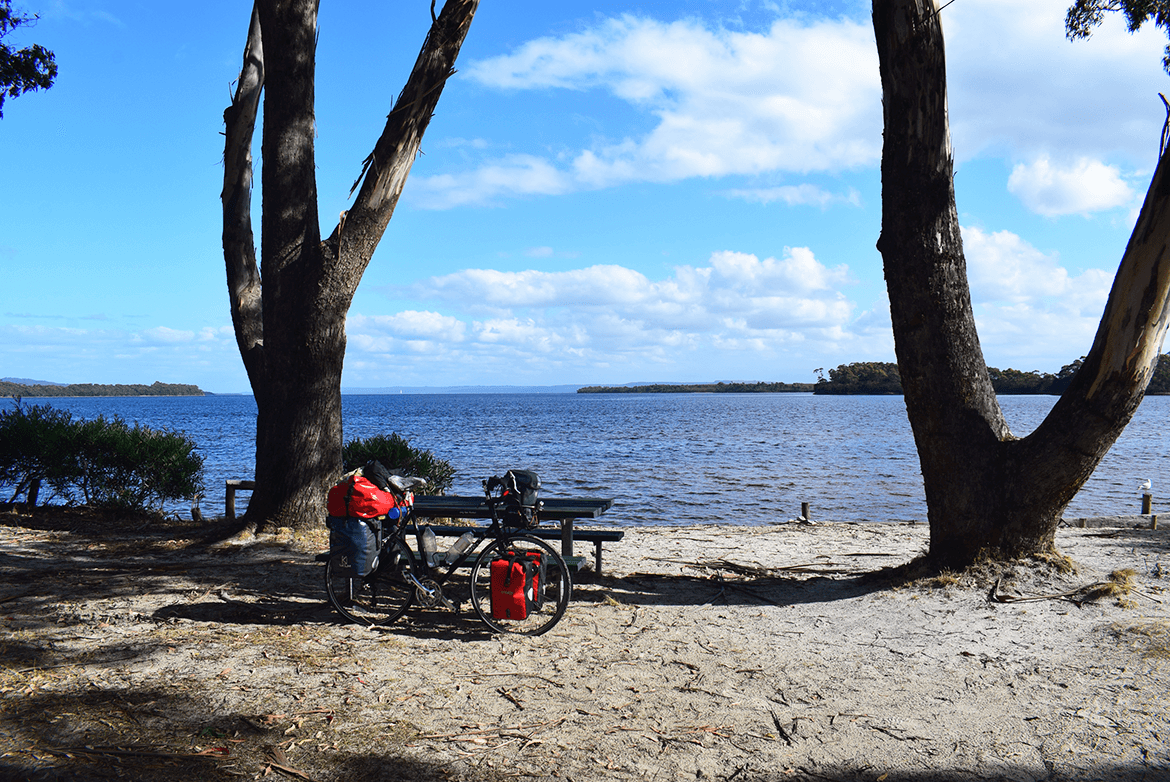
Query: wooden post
229,500
1147,501
804,510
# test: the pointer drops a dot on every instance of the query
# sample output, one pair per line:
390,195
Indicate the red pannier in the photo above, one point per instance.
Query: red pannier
517,584
357,497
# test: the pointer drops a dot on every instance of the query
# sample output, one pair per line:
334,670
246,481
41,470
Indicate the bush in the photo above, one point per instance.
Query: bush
35,449
399,457
107,463
123,466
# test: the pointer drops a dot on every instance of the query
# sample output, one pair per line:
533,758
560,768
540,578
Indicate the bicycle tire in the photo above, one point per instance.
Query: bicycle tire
379,598
556,589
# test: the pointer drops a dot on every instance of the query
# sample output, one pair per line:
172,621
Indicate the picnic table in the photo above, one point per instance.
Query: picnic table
563,510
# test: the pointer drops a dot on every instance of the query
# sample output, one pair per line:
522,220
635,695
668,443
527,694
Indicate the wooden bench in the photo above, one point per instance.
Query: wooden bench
563,510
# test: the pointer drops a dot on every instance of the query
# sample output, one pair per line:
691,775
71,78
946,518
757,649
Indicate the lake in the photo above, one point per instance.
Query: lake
668,459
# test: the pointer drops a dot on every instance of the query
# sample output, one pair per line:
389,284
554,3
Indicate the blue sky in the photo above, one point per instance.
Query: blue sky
609,191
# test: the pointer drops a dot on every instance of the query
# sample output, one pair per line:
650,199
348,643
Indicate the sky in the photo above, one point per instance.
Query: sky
609,192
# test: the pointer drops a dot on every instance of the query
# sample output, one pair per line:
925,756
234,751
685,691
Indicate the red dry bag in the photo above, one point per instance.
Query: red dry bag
517,584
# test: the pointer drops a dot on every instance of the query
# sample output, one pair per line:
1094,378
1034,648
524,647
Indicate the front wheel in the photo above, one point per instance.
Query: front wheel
378,598
520,585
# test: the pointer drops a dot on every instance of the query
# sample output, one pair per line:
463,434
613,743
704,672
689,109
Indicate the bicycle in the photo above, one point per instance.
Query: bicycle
404,576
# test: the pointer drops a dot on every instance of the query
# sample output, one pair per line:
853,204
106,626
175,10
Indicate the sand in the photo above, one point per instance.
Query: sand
721,653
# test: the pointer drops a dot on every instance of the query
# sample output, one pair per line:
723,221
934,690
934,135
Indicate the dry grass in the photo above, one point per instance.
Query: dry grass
1150,638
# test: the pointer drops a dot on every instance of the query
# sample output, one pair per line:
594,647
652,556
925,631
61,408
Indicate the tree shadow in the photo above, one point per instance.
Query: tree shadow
156,733
716,589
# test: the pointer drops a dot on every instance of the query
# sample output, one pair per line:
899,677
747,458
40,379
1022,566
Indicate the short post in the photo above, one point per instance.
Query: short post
1147,502
804,511
229,500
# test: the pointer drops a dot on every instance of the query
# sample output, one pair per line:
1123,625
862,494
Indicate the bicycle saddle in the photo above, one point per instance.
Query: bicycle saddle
402,484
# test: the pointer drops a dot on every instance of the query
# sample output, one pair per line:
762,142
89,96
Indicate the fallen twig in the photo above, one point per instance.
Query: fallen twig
211,752
478,675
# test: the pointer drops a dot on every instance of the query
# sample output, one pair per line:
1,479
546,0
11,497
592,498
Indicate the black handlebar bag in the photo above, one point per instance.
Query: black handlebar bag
519,497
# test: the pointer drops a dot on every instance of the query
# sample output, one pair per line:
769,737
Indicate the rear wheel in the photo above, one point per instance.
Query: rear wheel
377,599
542,603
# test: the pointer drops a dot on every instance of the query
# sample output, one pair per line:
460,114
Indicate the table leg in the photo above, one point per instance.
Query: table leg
567,538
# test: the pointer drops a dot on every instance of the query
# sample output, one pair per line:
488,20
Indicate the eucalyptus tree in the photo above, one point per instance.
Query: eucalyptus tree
986,489
289,310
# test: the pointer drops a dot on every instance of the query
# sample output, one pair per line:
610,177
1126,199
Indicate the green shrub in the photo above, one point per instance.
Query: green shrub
106,463
123,466
399,457
35,447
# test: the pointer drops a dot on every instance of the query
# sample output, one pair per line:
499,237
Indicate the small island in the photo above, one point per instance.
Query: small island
9,389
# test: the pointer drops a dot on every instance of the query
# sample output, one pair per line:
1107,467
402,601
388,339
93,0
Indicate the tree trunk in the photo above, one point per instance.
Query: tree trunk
986,490
290,319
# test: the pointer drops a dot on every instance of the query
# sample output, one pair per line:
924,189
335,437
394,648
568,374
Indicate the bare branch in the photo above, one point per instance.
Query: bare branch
385,170
239,248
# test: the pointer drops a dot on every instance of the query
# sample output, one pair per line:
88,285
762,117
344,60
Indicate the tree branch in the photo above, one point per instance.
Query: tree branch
385,170
239,247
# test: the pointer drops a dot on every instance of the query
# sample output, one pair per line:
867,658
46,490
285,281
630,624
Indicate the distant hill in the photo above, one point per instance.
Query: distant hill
34,389
24,381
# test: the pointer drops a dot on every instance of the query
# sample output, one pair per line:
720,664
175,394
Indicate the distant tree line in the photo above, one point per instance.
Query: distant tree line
17,390
701,388
883,378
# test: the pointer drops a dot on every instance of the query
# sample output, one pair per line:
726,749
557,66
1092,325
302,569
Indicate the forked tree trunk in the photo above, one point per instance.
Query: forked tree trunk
289,314
986,490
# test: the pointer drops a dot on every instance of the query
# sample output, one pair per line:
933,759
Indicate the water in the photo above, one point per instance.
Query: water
666,458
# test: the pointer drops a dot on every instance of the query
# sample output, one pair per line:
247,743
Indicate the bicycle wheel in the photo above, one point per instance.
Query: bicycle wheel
377,599
538,605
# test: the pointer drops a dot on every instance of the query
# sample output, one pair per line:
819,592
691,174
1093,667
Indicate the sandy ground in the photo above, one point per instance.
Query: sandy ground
720,653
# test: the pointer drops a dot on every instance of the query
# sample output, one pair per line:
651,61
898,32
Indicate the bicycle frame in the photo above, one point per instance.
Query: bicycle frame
530,605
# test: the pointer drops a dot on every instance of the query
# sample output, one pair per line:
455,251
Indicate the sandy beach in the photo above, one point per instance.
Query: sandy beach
723,653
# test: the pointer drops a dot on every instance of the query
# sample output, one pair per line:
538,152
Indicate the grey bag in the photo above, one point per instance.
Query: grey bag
357,542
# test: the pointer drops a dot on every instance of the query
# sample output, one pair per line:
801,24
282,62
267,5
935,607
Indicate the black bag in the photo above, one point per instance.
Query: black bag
357,542
524,485
519,497
376,473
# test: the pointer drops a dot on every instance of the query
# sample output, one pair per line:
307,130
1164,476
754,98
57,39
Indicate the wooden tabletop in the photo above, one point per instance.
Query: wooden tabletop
560,508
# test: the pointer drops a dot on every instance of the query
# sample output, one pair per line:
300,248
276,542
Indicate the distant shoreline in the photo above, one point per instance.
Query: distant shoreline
703,388
14,390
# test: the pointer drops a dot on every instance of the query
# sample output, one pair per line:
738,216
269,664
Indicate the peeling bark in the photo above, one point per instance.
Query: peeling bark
986,490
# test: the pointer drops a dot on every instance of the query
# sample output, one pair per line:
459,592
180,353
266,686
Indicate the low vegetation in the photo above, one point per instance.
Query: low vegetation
400,457
875,377
98,462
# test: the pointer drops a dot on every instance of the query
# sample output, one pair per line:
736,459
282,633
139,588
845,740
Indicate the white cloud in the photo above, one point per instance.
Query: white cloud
1081,187
514,175
1018,86
164,336
793,97
737,307
800,97
796,195
1029,308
